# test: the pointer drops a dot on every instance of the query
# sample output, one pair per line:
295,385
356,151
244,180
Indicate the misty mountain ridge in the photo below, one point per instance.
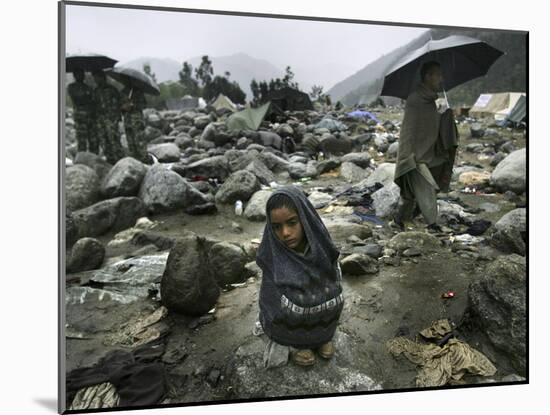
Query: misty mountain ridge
242,68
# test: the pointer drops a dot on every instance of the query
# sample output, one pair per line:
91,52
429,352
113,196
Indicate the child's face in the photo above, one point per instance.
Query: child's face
288,228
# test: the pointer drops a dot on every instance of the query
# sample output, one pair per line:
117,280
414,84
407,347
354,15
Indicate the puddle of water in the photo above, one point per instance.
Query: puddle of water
122,282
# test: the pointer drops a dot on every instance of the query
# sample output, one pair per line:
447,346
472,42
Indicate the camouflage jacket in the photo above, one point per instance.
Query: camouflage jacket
82,96
136,98
107,101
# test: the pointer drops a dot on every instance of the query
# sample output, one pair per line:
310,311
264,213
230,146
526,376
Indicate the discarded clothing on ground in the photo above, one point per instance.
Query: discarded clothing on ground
331,124
478,227
137,378
441,365
103,395
142,331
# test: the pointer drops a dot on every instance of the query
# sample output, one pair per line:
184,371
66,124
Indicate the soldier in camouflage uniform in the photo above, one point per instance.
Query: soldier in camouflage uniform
84,114
107,101
133,103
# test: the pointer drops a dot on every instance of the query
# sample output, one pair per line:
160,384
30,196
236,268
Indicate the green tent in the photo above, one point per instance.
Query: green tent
247,119
222,102
519,112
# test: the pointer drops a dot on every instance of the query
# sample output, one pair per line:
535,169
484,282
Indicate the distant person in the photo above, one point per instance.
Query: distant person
301,293
108,103
427,146
84,114
133,104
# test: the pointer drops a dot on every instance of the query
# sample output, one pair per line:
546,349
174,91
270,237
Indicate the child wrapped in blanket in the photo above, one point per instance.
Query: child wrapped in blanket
301,293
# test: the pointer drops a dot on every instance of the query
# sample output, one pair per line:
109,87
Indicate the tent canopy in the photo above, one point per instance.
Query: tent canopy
247,119
223,102
498,105
519,112
290,99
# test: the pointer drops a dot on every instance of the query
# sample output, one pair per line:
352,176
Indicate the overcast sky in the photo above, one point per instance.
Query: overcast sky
333,50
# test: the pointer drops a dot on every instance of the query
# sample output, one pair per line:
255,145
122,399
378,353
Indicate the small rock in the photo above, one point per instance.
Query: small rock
359,264
213,377
86,254
476,130
235,227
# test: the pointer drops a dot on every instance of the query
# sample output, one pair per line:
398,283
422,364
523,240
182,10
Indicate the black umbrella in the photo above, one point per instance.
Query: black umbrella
461,58
88,62
133,78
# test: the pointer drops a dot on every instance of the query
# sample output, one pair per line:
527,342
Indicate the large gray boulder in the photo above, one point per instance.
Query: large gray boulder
497,307
360,159
229,261
392,150
255,208
164,190
260,170
382,174
210,167
328,165
515,219
386,200
108,215
201,121
270,139
319,199
81,187
95,162
188,285
509,234
300,170
420,240
241,185
124,179
167,152
86,254
511,173
351,172
335,146
340,229
273,162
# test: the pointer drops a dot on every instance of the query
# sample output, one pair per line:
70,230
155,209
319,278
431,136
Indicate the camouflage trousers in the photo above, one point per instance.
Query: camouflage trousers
86,137
134,125
107,130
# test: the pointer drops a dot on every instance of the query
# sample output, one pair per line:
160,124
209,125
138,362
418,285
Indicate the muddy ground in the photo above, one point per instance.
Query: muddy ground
217,357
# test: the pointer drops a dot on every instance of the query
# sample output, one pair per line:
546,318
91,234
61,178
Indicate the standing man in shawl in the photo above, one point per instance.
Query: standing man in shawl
107,101
84,117
133,104
427,146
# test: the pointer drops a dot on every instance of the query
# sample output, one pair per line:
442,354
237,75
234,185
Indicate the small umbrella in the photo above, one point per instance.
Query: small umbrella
88,62
133,78
461,58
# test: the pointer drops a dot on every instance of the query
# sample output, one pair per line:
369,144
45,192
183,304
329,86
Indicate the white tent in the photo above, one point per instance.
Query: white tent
498,105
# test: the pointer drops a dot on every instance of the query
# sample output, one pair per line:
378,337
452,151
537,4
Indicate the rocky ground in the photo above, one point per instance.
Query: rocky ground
140,237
